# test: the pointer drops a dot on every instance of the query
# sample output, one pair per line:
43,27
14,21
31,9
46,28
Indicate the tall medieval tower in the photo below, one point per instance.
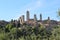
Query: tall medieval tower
48,20
20,20
40,17
27,15
35,18
23,19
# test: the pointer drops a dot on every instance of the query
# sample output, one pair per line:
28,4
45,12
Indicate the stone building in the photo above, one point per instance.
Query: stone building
20,20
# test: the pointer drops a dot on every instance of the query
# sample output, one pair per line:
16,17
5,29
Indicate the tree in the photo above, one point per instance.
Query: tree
8,27
55,33
58,12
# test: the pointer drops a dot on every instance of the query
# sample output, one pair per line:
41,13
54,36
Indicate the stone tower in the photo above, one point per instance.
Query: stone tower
27,15
23,19
48,20
35,18
35,21
20,20
40,17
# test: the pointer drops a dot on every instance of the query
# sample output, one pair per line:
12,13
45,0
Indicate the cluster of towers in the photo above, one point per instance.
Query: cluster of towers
22,18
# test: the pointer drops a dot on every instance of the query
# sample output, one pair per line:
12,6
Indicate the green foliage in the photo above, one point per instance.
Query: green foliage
56,33
58,12
9,27
30,33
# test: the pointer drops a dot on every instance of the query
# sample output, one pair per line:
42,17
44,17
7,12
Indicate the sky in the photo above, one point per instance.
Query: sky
13,9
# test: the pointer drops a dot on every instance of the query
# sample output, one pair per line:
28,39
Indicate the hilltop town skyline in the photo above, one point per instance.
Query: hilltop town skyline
35,21
32,21
38,17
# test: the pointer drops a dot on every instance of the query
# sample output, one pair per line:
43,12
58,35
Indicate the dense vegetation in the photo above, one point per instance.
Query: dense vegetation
9,32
